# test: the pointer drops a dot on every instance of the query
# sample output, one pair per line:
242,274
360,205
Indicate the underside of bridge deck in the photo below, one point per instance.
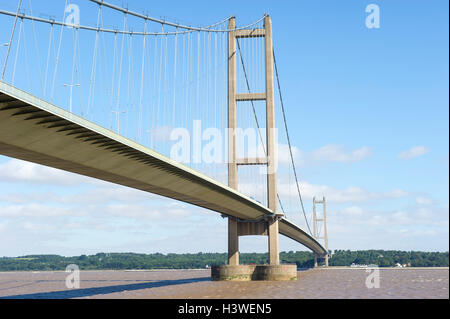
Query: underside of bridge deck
37,131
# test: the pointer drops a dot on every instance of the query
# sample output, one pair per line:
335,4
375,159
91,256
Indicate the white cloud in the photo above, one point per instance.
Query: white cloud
336,153
108,193
143,212
284,156
66,215
347,195
362,226
356,216
353,211
413,152
327,153
33,210
21,171
424,201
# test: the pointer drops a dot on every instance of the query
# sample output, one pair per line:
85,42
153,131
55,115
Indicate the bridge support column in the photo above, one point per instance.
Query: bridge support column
233,237
233,242
274,258
316,263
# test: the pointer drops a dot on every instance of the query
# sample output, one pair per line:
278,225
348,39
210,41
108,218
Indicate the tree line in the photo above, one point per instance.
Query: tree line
303,259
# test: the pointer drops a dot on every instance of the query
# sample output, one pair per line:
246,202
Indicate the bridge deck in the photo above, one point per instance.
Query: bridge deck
34,130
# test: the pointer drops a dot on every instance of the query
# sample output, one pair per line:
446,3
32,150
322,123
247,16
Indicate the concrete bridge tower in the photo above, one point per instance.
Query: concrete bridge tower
268,226
315,222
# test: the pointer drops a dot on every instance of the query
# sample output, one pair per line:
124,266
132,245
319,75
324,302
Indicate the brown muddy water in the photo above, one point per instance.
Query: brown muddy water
181,284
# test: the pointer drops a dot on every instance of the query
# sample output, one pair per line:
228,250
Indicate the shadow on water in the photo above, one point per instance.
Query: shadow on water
86,292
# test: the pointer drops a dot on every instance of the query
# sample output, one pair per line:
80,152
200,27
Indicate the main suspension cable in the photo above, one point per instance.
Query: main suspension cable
172,24
83,27
289,142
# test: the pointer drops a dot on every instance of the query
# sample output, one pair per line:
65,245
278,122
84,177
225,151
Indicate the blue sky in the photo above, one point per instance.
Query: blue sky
368,117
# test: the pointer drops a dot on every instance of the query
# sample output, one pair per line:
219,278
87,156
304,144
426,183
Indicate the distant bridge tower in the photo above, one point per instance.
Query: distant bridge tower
316,230
269,226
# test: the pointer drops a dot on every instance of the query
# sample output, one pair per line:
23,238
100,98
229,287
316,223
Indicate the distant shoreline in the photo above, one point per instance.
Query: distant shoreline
158,262
207,269
99,270
381,268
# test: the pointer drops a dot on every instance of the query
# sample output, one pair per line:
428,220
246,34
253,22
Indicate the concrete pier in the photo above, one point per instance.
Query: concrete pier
254,272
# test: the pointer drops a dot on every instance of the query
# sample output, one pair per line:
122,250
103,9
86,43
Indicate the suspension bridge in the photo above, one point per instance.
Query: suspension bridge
135,105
